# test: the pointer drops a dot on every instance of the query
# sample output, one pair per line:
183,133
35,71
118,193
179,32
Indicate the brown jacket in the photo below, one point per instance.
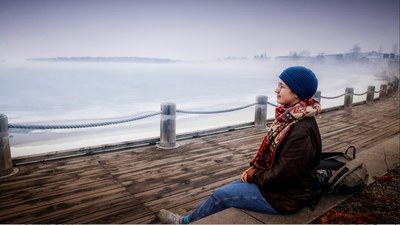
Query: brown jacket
287,186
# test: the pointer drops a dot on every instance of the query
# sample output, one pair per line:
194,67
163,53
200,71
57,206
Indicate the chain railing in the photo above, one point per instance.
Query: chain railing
338,96
47,126
216,111
77,126
341,95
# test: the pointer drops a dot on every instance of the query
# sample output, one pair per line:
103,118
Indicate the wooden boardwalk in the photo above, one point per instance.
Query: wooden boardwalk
131,186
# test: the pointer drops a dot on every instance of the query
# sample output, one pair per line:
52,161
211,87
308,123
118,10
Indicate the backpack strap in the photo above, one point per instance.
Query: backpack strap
345,157
352,148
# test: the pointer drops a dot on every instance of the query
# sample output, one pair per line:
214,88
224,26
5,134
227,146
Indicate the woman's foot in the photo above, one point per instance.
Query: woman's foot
168,217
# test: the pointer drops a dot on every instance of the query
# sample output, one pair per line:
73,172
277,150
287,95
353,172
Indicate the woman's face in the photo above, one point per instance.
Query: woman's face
285,96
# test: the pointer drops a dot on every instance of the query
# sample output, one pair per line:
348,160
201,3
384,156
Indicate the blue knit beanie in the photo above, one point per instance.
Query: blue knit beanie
301,81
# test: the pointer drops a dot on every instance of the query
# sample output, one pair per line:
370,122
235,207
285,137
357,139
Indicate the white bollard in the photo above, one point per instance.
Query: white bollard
5,153
168,126
348,99
382,92
389,89
370,94
260,117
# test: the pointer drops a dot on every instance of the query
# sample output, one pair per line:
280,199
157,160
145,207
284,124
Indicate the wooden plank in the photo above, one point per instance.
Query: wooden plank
16,185
109,209
187,196
35,204
189,182
44,192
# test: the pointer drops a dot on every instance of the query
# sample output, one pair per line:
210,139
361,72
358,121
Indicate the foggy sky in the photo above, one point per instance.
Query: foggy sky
194,29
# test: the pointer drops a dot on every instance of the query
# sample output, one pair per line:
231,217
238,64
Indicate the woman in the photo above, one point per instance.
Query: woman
280,178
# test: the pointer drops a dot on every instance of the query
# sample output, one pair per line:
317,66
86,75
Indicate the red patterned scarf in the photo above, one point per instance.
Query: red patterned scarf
284,120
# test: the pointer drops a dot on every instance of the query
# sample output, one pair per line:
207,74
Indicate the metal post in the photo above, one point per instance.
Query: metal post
168,126
389,89
348,99
5,153
260,117
317,96
370,94
382,92
396,85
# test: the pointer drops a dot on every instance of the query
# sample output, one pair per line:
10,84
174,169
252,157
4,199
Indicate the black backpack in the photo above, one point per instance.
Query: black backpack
338,172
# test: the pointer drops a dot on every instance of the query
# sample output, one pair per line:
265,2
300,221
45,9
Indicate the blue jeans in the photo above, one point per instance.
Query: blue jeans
236,194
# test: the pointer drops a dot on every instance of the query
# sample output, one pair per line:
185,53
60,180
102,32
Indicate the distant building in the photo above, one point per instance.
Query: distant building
262,56
389,56
351,57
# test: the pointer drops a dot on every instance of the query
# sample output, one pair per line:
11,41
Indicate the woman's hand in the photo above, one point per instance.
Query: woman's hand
245,174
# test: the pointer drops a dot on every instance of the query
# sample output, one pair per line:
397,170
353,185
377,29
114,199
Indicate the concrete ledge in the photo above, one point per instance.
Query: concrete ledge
229,216
239,216
378,159
381,157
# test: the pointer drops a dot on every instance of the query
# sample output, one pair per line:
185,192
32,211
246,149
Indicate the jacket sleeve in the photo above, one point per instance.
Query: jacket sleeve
296,153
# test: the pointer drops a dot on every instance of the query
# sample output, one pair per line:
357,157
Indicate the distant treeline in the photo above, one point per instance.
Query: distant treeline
105,59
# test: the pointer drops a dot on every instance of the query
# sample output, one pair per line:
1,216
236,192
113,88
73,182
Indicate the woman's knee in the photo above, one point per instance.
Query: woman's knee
220,194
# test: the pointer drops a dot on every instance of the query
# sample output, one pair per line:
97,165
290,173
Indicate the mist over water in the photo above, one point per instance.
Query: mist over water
74,93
